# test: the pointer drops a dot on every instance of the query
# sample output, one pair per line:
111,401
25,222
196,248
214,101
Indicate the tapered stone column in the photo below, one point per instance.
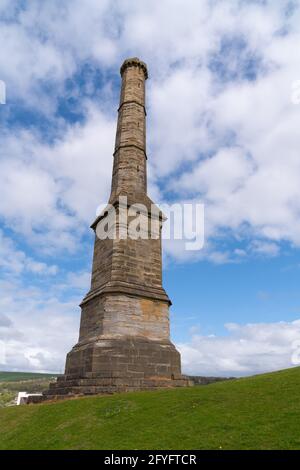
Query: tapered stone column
124,339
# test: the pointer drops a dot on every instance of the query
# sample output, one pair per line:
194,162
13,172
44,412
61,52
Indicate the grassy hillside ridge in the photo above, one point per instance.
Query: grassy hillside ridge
261,412
21,376
13,382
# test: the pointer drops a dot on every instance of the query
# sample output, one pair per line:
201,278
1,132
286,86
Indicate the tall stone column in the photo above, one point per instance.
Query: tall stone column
129,170
124,338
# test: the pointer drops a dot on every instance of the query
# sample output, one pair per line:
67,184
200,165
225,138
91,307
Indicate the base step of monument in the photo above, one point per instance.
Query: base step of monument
65,388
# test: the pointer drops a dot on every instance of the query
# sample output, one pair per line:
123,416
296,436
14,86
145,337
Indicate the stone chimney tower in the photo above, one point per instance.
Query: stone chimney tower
129,171
124,339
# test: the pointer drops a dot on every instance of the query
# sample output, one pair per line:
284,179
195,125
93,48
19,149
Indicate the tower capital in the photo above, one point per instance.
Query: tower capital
134,62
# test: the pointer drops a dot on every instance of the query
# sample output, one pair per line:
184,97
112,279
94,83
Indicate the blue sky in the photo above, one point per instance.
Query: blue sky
222,129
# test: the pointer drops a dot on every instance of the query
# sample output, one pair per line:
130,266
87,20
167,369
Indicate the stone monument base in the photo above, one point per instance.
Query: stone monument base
111,365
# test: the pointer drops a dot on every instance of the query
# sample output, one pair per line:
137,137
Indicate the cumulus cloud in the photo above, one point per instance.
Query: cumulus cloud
221,121
38,329
15,262
5,321
50,191
244,350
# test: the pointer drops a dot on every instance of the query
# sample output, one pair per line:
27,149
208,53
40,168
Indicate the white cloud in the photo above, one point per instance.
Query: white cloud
50,191
265,248
45,42
245,350
219,176
80,280
179,122
235,143
5,322
38,329
15,262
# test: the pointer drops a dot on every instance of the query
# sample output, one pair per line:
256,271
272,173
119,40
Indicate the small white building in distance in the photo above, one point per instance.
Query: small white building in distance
22,398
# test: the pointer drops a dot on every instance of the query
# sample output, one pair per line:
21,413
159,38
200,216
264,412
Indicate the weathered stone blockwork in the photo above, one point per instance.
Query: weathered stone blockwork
121,364
123,315
124,339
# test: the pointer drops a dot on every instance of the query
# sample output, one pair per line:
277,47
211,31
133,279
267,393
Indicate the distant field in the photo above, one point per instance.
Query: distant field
18,376
13,382
260,412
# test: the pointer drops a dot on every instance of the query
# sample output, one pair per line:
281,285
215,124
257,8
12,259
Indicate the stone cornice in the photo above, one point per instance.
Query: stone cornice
130,145
132,102
134,62
119,287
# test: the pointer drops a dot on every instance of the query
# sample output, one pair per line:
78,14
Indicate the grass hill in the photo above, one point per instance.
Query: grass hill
260,412
13,382
21,376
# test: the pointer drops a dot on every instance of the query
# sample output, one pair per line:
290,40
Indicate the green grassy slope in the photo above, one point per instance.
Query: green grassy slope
261,412
18,376
13,382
